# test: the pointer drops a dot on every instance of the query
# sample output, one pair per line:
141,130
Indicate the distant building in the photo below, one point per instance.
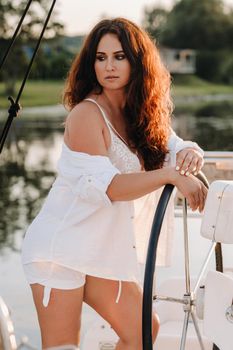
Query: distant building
180,61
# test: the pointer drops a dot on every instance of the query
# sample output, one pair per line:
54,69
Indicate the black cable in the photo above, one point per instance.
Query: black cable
15,106
12,112
15,34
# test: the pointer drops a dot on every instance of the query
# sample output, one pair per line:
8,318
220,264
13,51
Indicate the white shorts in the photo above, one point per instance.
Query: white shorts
52,275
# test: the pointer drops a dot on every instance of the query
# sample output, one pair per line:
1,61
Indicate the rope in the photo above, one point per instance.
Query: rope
15,106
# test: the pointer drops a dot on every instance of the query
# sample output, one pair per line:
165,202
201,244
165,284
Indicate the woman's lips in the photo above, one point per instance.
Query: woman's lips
111,77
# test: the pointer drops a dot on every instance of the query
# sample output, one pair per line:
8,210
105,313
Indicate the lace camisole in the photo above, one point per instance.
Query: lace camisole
119,152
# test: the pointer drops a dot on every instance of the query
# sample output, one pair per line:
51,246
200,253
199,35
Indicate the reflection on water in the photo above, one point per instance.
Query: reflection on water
28,165
27,170
216,136
211,133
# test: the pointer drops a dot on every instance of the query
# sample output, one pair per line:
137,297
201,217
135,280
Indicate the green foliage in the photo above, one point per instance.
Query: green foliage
198,25
55,56
226,69
202,25
10,14
12,10
188,79
6,11
191,85
206,26
14,67
207,65
52,62
215,66
154,22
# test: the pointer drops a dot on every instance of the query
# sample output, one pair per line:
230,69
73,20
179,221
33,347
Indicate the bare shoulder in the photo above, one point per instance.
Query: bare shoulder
84,129
84,113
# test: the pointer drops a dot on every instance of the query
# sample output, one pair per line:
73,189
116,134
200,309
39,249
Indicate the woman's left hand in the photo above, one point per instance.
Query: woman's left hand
189,161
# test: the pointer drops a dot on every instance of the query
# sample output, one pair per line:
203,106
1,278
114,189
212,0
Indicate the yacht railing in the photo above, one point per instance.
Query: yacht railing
223,160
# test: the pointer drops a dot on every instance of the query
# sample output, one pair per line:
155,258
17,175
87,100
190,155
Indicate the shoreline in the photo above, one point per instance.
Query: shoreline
59,111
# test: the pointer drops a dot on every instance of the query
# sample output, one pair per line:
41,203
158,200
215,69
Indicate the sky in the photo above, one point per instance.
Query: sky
79,16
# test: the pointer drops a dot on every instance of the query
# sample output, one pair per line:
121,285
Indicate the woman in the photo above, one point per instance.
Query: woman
117,138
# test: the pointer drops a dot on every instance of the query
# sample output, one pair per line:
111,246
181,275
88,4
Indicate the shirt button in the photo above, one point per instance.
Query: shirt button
134,246
131,217
89,180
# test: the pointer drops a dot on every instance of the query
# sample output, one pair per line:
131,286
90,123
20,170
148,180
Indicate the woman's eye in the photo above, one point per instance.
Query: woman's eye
120,57
100,58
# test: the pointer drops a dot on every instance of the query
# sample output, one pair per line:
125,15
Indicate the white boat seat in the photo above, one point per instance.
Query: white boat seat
218,309
217,222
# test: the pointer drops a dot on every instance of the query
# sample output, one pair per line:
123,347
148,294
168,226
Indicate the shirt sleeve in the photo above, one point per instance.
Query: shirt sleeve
88,176
176,144
93,187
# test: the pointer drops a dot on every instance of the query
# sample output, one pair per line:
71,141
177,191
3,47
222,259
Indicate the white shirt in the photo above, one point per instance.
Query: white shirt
80,227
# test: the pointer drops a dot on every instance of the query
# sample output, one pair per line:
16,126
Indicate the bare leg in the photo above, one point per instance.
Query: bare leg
60,321
125,317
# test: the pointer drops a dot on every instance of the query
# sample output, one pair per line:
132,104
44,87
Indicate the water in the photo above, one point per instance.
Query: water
27,170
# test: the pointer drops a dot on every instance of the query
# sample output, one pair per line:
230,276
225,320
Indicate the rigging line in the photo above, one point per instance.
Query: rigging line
15,34
15,107
12,112
35,51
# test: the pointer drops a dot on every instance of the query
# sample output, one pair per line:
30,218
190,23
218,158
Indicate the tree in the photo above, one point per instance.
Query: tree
6,10
205,24
155,21
12,10
10,13
198,25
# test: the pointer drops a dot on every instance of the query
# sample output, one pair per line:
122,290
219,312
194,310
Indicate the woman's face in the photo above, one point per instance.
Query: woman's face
112,67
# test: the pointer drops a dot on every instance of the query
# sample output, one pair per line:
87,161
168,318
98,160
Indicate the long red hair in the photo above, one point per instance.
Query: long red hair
148,103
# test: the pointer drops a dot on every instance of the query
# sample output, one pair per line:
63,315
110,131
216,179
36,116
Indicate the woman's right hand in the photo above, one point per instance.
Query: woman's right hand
192,189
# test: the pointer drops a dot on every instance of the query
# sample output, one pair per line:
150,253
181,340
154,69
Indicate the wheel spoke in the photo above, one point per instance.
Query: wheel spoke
204,266
186,247
197,331
185,330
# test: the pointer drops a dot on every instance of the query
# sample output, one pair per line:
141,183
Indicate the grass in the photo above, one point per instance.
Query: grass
190,85
36,93
45,93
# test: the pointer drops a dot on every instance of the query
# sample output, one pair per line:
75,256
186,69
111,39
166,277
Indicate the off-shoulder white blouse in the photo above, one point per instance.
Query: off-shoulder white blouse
78,225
